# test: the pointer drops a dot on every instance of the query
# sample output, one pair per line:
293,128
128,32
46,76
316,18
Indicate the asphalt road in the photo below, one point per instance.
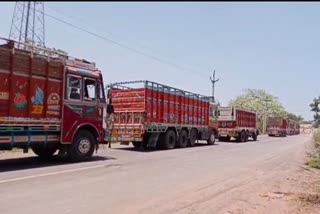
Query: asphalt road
202,179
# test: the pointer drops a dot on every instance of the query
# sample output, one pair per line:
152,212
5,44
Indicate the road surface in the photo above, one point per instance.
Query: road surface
202,179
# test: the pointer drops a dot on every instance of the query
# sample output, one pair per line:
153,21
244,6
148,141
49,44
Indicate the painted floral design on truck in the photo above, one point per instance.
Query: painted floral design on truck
20,100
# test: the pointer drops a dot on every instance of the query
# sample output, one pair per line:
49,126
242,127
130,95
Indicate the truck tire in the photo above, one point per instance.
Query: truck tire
82,146
44,152
192,138
183,139
170,139
254,137
242,137
212,138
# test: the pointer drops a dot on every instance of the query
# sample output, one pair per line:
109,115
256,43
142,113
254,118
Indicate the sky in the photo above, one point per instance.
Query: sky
273,46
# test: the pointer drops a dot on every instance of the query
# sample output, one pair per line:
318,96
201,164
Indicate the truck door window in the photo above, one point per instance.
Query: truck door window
101,93
74,88
89,90
212,112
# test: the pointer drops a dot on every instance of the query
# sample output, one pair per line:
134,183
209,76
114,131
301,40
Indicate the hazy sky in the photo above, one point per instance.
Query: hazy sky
271,46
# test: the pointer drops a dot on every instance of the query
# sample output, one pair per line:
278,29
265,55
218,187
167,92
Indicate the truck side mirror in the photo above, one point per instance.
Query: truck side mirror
110,109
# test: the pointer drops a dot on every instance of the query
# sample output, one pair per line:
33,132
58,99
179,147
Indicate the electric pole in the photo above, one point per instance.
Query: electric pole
265,111
28,24
213,81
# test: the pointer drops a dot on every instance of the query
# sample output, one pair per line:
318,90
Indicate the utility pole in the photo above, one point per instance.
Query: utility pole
266,100
213,81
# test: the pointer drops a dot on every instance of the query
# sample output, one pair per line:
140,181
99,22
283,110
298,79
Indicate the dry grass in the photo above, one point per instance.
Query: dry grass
314,160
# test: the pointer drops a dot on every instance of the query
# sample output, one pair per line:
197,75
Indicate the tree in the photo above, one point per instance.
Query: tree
292,116
316,109
260,101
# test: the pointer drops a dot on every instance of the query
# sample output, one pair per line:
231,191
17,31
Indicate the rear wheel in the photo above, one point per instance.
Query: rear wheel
44,152
193,137
183,139
254,136
82,147
170,140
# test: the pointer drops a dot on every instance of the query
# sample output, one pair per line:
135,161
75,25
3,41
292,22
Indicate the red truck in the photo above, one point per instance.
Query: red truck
49,102
277,126
236,122
150,114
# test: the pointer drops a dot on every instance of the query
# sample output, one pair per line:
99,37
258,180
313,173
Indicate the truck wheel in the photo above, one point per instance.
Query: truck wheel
212,138
82,147
170,140
242,137
44,152
193,137
183,139
254,136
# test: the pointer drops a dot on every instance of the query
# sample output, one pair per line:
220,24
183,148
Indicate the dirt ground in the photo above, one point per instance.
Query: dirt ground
295,193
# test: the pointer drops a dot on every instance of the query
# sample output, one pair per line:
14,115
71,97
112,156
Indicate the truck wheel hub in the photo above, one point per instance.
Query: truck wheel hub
84,146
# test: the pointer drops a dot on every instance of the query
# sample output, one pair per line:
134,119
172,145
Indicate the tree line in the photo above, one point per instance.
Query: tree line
265,104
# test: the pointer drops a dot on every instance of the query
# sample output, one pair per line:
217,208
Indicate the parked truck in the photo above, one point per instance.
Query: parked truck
277,126
49,102
238,123
150,114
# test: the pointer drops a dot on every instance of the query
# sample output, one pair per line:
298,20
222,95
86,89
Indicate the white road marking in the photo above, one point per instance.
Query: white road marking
52,173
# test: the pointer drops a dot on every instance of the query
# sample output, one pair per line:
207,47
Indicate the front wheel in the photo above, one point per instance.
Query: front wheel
82,147
242,137
212,138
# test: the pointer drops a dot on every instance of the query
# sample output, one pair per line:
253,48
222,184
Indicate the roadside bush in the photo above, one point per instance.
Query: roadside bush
316,138
314,160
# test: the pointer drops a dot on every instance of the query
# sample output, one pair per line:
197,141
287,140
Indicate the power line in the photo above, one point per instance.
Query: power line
137,44
158,59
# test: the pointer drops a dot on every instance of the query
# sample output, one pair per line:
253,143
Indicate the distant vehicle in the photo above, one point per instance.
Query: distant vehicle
49,102
277,126
150,114
238,123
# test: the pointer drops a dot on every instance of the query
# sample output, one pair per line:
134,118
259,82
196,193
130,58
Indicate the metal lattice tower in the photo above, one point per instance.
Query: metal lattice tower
28,23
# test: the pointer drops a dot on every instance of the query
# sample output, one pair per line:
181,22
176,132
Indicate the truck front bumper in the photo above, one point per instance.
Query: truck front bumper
227,133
